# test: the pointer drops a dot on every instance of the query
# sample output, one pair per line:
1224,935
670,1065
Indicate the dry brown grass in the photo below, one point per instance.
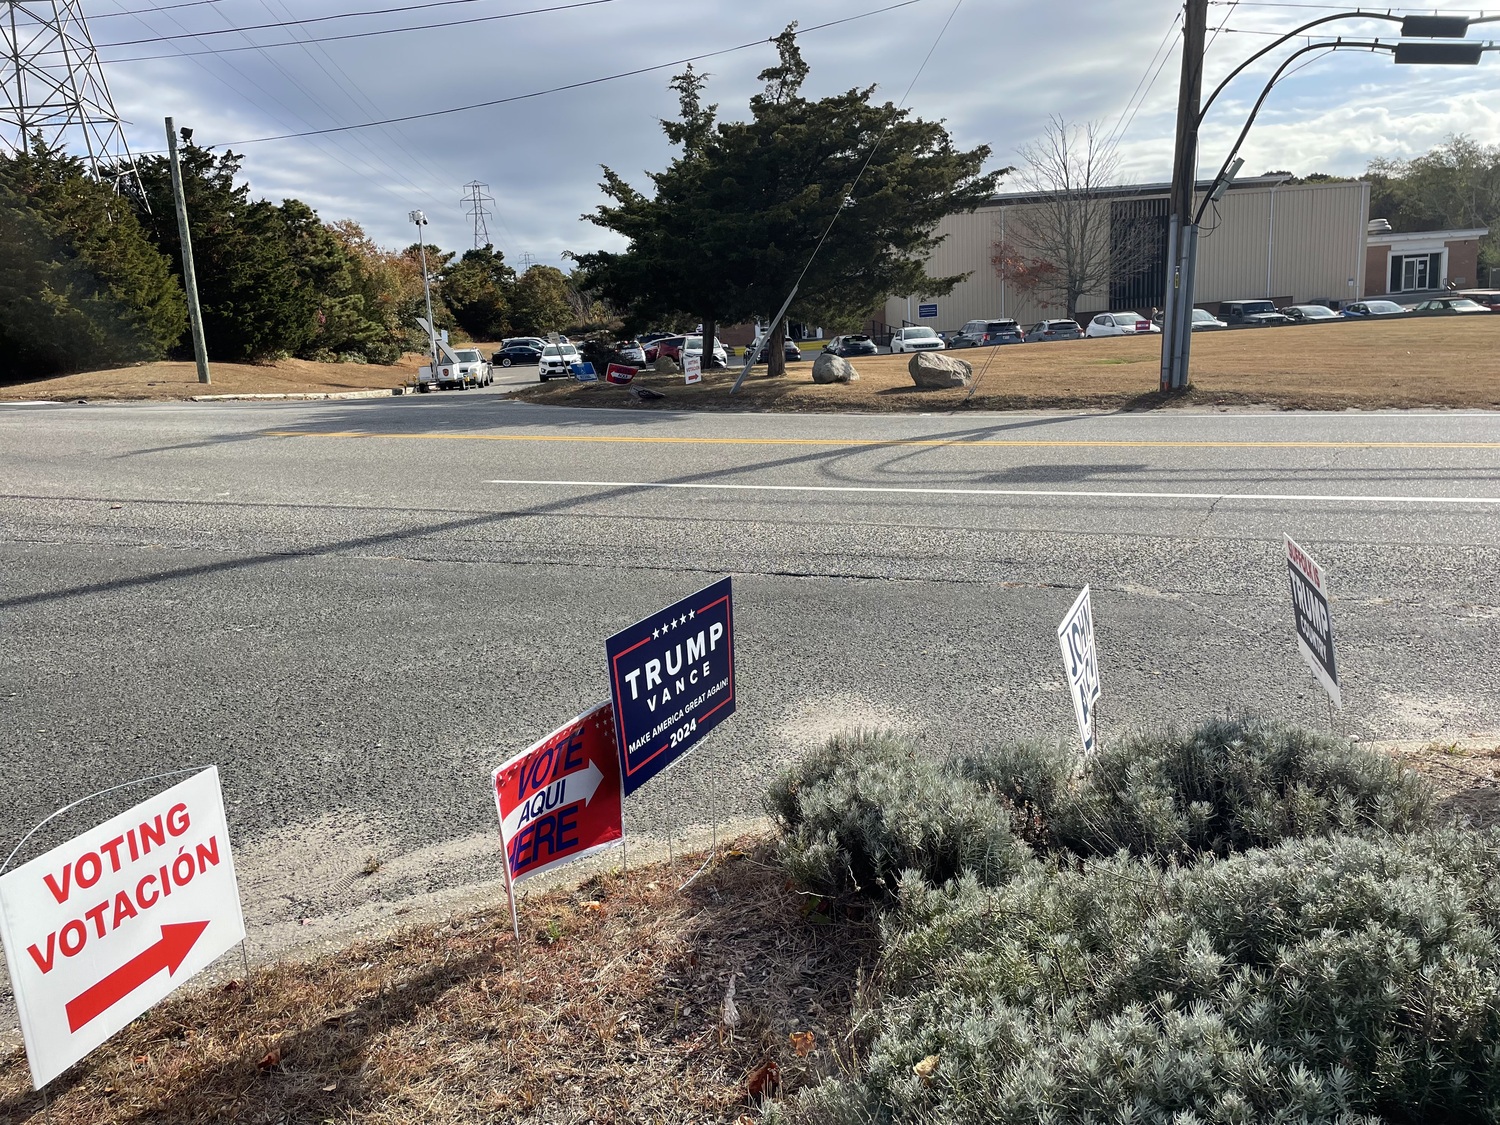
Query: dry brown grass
1443,362
611,1013
173,380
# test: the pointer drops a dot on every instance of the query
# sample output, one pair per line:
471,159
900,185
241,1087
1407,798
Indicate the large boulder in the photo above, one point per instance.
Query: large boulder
830,368
938,371
666,365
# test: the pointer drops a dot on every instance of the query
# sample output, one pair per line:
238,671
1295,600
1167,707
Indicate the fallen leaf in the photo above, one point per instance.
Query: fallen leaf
272,1058
802,1042
330,1088
592,907
926,1068
232,986
764,1080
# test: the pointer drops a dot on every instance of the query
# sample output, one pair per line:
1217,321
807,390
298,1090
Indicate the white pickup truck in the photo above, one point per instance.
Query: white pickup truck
460,368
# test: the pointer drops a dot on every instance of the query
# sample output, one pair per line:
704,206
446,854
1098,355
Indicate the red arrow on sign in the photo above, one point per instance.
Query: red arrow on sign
177,940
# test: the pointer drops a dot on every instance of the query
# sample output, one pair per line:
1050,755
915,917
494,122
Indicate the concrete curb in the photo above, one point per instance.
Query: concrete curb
294,397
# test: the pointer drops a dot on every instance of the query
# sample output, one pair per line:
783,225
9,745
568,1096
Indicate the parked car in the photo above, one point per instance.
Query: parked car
1489,298
1373,308
675,347
854,344
1253,314
1203,321
986,333
1449,305
555,361
1045,331
1308,314
917,339
631,352
535,341
790,350
1120,324
518,354
652,347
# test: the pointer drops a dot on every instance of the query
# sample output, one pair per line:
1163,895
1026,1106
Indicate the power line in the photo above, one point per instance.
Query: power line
560,89
1124,123
232,30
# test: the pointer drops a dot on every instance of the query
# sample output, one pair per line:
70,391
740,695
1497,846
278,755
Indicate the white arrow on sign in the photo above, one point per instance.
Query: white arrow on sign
580,785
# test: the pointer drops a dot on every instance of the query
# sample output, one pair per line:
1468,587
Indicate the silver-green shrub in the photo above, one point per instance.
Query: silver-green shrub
1340,979
867,807
1221,787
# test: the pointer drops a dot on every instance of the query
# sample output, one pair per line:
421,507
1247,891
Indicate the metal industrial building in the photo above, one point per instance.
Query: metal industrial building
1293,243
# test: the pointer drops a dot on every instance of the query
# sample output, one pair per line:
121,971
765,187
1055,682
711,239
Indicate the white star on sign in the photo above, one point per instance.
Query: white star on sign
655,633
674,622
690,615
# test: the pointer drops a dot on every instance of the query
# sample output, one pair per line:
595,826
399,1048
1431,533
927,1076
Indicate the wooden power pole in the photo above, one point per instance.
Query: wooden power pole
189,275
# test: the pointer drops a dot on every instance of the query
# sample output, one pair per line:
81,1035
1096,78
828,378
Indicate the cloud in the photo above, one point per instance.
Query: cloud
997,75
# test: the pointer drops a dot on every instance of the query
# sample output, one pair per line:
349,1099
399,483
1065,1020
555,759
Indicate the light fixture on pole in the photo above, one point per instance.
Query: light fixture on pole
421,221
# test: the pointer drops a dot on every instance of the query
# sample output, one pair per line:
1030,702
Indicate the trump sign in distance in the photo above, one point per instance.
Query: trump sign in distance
560,799
1081,661
1311,616
672,679
99,929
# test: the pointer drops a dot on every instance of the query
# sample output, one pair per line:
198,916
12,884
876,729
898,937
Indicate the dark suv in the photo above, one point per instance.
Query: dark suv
1258,314
985,333
1048,330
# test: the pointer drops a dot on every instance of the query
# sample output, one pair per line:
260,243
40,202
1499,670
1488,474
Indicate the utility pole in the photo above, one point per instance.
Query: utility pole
1182,232
189,275
421,221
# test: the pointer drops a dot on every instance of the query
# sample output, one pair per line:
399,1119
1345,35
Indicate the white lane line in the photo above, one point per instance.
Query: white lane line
1061,492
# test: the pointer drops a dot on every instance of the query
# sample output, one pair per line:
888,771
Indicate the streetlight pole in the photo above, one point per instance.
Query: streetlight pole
189,274
421,221
1182,245
1182,232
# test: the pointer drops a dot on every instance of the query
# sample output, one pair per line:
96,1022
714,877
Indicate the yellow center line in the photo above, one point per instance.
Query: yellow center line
609,439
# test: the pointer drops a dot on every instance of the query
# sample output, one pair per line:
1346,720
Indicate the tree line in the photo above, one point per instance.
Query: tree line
92,279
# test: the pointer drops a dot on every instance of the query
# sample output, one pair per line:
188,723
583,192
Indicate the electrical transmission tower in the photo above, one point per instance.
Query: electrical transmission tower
52,87
476,199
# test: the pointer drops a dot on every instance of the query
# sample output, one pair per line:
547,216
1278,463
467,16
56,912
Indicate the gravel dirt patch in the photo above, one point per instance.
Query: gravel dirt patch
1421,362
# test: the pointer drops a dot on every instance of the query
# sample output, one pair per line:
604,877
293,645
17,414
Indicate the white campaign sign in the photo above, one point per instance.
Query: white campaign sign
1081,661
99,929
692,368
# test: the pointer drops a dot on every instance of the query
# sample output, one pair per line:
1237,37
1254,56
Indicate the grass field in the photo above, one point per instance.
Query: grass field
1442,362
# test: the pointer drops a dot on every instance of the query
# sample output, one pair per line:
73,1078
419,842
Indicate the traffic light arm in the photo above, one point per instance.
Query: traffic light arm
1237,71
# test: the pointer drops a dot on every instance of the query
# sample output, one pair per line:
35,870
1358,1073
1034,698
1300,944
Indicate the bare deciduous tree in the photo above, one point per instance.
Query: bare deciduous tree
1063,245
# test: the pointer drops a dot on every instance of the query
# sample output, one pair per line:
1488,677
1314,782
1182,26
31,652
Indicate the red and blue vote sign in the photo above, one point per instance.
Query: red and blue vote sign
671,677
561,799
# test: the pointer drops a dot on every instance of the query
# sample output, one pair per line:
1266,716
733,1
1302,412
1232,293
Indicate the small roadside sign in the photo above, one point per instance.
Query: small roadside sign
584,372
927,312
560,799
101,928
692,368
671,676
619,374
1312,618
1081,662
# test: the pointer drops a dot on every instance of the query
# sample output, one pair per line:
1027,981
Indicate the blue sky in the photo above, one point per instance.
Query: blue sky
1000,70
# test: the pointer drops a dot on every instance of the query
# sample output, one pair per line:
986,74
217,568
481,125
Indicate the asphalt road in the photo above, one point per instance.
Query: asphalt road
359,608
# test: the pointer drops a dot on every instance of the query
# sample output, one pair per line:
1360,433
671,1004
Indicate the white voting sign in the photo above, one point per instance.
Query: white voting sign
99,929
1081,662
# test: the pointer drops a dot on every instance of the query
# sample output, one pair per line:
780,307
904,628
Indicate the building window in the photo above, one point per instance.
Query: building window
1416,272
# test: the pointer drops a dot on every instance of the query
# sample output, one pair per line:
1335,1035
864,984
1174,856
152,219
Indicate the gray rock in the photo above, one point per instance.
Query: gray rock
939,371
830,368
666,365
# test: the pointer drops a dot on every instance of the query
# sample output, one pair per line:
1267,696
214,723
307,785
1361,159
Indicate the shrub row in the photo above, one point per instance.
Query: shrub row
1242,922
